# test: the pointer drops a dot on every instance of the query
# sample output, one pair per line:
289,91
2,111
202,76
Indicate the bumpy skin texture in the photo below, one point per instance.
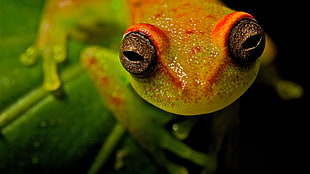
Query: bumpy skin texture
195,73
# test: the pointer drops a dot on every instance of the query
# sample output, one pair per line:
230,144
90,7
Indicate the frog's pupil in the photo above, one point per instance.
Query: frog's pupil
252,42
133,56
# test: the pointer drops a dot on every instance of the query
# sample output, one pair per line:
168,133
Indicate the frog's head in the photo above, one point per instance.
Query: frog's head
191,60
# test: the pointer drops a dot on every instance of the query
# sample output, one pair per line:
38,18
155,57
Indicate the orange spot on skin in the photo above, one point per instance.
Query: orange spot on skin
92,61
186,4
156,16
174,9
116,101
189,31
211,17
104,81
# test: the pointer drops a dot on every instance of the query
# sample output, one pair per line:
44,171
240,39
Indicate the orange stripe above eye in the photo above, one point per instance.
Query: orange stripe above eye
222,28
157,36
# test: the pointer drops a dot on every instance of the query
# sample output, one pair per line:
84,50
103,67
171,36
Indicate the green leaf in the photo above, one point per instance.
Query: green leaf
41,133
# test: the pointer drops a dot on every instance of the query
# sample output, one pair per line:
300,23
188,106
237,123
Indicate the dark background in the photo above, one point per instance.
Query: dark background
275,133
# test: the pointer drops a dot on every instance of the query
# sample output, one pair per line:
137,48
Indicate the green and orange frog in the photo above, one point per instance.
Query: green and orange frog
186,57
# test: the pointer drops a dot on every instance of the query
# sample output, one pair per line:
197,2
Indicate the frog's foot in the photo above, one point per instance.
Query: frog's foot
168,142
288,90
270,75
52,55
171,167
182,129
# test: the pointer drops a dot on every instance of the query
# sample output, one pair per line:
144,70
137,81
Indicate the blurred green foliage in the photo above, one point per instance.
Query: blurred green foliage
45,134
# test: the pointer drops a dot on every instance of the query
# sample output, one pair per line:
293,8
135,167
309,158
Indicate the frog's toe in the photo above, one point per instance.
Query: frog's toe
288,90
52,54
169,166
29,57
176,169
182,150
51,77
59,53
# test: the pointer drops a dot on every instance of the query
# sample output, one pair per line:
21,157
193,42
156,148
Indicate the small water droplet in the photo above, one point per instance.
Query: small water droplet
175,127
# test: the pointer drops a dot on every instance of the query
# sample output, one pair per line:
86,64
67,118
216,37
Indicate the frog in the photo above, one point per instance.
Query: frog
175,59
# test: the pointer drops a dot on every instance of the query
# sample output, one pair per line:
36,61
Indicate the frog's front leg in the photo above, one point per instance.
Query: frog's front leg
144,122
50,44
61,19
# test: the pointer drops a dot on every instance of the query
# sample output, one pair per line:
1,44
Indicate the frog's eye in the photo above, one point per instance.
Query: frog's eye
246,41
138,54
